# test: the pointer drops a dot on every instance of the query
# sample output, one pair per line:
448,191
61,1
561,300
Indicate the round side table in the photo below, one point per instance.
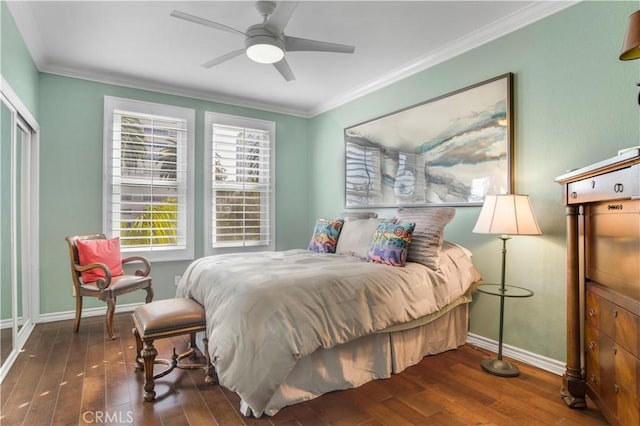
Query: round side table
498,366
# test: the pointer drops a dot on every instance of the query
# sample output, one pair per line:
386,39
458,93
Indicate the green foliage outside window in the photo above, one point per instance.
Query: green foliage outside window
156,226
238,216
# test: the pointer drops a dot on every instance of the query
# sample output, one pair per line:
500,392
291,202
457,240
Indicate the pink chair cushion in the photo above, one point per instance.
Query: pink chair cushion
100,251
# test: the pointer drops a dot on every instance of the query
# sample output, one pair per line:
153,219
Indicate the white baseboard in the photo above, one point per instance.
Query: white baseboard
8,323
547,364
89,312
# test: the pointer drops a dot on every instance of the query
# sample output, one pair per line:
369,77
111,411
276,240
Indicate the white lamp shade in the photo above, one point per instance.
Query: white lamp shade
508,214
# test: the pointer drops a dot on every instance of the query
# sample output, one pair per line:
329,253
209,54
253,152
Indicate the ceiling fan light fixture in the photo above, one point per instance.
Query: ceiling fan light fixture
265,50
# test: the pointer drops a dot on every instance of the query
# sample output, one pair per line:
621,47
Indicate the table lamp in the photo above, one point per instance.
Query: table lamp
508,214
631,43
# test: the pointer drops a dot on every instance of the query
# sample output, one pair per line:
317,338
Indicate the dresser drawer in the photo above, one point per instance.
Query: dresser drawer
627,327
612,352
618,380
618,184
612,320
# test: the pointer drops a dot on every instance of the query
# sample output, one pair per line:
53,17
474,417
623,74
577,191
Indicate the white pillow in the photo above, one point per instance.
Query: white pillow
356,236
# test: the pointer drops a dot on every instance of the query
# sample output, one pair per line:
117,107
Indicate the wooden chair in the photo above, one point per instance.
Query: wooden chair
109,288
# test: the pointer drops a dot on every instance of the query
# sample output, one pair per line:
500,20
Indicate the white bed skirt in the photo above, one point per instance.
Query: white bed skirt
368,358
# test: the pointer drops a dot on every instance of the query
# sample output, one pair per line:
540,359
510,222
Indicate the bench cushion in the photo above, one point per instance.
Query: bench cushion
164,318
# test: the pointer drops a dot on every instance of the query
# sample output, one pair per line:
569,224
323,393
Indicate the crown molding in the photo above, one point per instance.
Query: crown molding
142,84
517,20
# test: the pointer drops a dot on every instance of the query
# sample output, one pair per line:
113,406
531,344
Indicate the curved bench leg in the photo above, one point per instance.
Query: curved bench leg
192,345
210,377
148,355
139,365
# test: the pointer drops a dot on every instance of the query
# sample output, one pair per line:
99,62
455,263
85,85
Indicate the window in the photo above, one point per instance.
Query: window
239,174
148,187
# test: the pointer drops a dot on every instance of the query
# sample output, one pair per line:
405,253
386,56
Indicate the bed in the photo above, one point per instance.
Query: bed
285,327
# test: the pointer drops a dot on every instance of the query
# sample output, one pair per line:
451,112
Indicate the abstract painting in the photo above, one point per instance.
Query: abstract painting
450,150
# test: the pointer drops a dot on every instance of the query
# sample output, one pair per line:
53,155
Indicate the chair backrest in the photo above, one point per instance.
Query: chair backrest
73,254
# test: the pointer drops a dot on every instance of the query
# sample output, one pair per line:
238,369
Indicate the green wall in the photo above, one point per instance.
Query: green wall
575,104
71,179
16,64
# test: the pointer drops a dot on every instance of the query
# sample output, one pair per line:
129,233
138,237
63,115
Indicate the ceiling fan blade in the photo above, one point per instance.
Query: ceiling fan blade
293,44
280,16
283,67
205,22
223,58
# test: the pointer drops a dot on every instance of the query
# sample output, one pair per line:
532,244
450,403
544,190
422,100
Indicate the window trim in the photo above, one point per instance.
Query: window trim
235,120
143,107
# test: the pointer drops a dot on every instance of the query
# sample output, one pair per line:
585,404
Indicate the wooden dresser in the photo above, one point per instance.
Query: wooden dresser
603,287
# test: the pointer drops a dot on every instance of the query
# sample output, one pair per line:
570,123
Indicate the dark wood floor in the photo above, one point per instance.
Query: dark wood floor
66,379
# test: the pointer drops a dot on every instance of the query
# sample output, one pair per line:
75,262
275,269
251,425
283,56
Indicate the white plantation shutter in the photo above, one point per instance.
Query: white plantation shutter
239,183
148,167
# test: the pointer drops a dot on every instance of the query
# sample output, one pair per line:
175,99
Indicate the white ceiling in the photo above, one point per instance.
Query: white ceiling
137,43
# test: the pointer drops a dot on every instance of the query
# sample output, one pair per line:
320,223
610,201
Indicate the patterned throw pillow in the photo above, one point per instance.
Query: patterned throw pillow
428,234
391,243
325,235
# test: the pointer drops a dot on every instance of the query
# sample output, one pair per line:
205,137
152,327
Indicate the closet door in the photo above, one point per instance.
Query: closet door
7,328
21,223
18,231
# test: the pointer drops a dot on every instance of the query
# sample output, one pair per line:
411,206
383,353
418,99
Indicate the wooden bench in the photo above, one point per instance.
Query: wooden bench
163,319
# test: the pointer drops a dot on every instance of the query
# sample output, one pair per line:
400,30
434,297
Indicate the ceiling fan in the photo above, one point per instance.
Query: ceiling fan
266,42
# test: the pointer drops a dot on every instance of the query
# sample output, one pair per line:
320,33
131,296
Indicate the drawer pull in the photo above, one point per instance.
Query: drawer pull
593,184
616,388
592,345
614,350
614,313
618,188
594,378
573,195
592,312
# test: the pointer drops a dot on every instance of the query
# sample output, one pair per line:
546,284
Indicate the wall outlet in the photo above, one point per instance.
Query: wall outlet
176,280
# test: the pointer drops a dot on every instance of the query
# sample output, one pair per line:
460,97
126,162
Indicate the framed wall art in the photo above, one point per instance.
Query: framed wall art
449,150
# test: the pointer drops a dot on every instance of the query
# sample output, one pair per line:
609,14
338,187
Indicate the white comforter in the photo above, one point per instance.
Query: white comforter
267,310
